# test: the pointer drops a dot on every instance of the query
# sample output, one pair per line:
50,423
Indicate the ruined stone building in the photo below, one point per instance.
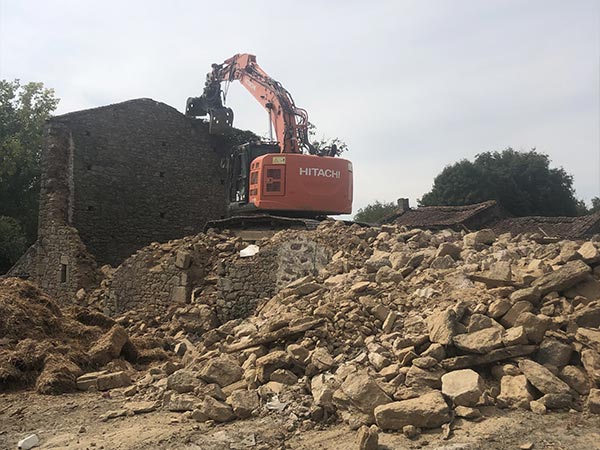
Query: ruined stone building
114,179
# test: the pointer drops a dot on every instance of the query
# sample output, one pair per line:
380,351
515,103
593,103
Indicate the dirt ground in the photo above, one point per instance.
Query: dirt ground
72,421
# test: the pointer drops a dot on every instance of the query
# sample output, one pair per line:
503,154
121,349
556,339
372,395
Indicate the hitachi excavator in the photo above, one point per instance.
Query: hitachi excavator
286,178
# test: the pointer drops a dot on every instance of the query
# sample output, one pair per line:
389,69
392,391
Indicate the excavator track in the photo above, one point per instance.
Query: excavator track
257,226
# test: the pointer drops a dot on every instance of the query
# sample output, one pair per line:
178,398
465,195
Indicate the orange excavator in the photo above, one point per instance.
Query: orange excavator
289,177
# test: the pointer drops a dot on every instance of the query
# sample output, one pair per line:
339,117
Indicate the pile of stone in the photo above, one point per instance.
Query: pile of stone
405,329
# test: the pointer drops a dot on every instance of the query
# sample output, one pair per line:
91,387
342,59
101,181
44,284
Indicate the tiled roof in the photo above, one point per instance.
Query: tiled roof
563,227
439,216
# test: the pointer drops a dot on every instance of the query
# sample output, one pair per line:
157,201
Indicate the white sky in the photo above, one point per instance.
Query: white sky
411,86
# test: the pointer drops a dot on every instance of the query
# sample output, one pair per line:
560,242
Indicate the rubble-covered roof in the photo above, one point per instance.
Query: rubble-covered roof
440,216
563,227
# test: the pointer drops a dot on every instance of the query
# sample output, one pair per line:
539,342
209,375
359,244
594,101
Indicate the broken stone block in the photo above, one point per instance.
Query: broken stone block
563,278
531,295
509,319
425,362
388,323
448,249
109,346
216,410
298,353
222,371
181,403
482,341
363,393
284,376
112,381
515,392
500,354
467,413
417,377
576,378
554,353
322,387
463,387
535,326
498,308
436,351
556,401
182,381
183,259
443,326
593,401
243,402
442,263
591,363
537,407
321,359
368,438
485,236
588,317
514,336
541,378
479,322
427,411
589,337
589,253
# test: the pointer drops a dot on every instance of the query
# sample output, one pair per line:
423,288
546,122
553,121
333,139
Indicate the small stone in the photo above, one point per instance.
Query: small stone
368,438
482,341
537,407
541,378
467,413
593,402
463,387
410,431
427,411
217,410
514,392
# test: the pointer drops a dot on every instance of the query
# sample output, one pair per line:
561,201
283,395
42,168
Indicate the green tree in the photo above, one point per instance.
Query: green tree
375,212
521,182
13,242
323,145
23,110
595,205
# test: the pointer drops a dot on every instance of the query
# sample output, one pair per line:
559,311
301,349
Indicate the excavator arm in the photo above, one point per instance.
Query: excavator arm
289,122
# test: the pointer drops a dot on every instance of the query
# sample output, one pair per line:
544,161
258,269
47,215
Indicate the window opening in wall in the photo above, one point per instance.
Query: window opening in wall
63,273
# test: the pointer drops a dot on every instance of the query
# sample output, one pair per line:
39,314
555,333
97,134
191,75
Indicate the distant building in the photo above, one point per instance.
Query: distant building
582,227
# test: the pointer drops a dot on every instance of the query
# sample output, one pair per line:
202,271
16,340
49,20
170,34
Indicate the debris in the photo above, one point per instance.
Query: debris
29,442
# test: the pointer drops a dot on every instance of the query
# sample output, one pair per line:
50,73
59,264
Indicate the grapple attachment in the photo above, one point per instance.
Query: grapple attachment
196,106
221,120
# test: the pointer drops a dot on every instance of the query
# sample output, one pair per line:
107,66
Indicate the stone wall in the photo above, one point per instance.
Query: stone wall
115,179
142,173
208,270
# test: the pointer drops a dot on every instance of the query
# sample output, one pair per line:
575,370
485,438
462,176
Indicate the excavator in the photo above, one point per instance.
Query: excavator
284,179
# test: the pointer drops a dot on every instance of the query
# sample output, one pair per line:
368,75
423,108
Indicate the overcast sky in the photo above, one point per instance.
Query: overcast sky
411,86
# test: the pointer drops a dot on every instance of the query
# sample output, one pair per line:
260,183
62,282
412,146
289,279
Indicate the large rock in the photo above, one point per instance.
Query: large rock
417,377
535,326
563,278
463,387
485,236
222,371
511,316
542,379
465,361
182,381
591,363
554,352
364,393
443,326
515,392
266,365
589,337
576,378
216,410
481,341
589,252
427,411
113,380
368,438
322,387
593,402
243,402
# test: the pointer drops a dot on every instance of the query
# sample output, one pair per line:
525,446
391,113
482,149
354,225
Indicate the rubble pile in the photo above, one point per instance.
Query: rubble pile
405,329
402,329
48,347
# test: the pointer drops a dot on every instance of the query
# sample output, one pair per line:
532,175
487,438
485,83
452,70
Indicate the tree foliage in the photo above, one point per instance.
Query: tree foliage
595,205
375,212
521,182
23,110
325,146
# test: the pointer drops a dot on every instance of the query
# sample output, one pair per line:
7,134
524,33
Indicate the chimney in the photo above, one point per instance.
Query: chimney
403,205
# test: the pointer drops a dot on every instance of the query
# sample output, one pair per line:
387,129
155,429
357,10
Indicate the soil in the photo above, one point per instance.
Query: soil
72,421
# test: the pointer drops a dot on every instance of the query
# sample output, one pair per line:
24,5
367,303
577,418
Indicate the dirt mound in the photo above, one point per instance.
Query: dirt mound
42,345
